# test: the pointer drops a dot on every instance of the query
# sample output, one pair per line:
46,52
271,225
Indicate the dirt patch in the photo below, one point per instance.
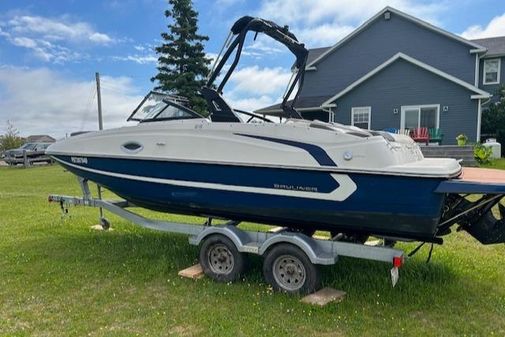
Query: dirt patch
184,330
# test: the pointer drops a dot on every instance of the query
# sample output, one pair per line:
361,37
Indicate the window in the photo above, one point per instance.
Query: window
491,71
361,116
420,116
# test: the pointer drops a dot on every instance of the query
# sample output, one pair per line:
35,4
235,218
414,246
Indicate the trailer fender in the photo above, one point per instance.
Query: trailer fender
235,235
306,244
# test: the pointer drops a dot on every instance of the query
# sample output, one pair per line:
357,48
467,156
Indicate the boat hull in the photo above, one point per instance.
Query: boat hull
388,205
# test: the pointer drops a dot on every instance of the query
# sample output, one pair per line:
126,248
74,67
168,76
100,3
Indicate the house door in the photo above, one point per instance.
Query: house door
420,116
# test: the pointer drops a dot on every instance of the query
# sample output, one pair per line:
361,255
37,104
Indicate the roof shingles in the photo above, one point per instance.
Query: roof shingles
495,45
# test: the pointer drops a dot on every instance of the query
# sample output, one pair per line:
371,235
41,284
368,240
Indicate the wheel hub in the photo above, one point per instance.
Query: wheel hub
289,272
220,259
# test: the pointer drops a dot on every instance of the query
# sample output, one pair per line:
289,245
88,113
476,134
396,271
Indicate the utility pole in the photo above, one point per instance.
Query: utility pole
104,223
99,99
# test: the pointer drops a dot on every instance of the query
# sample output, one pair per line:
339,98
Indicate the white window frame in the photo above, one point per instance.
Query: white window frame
484,71
412,107
369,108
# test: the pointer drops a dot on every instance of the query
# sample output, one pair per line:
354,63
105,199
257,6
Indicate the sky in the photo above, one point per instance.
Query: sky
50,50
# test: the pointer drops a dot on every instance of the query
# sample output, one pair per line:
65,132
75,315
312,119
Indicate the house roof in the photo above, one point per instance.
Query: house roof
476,46
302,104
40,139
315,53
495,45
478,93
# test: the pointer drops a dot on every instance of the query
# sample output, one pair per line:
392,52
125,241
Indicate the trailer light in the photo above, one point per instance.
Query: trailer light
397,261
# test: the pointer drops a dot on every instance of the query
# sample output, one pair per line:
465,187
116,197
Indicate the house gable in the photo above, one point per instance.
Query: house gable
321,54
476,92
389,89
378,41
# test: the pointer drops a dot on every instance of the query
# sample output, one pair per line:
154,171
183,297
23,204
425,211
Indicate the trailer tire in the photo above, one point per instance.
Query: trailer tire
220,259
288,269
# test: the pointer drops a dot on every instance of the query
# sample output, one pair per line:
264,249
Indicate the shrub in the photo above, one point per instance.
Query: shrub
482,153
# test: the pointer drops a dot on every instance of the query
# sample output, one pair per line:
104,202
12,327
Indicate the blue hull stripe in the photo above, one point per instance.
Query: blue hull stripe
315,151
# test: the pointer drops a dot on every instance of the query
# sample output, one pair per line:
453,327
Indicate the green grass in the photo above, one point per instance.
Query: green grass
60,278
498,164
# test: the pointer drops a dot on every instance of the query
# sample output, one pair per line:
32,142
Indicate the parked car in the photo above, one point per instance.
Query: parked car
35,152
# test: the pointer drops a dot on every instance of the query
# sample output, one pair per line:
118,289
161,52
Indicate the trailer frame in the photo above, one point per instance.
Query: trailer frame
319,251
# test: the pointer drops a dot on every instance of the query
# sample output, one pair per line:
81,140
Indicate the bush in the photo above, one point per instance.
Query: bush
493,118
11,139
482,153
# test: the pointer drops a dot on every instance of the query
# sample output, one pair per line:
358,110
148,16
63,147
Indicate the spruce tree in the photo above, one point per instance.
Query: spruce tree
182,65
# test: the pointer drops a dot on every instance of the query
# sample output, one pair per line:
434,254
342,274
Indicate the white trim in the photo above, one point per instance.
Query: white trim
477,65
415,62
484,71
492,56
477,48
331,115
344,189
479,120
419,107
369,108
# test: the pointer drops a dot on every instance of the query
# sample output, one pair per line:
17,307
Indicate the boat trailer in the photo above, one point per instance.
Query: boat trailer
290,258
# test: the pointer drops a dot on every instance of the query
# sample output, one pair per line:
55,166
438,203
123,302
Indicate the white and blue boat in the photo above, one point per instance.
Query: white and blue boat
299,174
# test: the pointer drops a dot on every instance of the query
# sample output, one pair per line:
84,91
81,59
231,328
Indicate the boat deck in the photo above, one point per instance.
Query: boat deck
476,181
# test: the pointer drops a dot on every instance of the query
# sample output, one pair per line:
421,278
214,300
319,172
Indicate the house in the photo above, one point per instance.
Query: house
397,71
39,139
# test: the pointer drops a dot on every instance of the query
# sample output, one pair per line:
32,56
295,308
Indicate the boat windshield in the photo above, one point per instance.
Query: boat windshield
28,146
158,107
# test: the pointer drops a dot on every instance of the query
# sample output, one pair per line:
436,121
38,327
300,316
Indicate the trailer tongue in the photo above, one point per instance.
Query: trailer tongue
483,216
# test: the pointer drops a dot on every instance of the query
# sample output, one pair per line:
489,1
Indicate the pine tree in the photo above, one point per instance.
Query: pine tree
182,65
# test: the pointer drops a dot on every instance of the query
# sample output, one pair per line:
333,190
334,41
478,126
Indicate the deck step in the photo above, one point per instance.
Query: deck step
464,153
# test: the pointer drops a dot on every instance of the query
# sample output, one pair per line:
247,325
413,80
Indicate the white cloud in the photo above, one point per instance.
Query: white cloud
252,88
250,103
325,34
496,27
317,22
56,29
52,40
41,101
256,80
100,38
24,42
140,59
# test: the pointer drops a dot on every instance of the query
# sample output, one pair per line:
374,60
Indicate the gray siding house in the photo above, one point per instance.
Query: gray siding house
396,71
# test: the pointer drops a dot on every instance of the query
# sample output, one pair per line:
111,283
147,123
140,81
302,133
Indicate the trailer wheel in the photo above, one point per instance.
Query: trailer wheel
288,269
220,259
104,223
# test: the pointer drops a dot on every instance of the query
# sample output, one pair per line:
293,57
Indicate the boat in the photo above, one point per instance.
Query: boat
299,174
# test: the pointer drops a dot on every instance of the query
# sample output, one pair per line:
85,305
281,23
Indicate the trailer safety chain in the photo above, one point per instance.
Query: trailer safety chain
64,210
413,252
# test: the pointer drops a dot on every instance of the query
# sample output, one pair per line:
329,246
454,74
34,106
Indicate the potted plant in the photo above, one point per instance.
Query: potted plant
462,139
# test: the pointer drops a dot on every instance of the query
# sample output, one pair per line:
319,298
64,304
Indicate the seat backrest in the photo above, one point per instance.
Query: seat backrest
405,132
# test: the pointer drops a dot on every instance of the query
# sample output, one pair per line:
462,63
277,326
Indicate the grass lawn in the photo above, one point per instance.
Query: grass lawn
60,278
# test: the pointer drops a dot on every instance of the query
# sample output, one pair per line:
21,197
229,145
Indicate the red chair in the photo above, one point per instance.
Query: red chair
421,135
